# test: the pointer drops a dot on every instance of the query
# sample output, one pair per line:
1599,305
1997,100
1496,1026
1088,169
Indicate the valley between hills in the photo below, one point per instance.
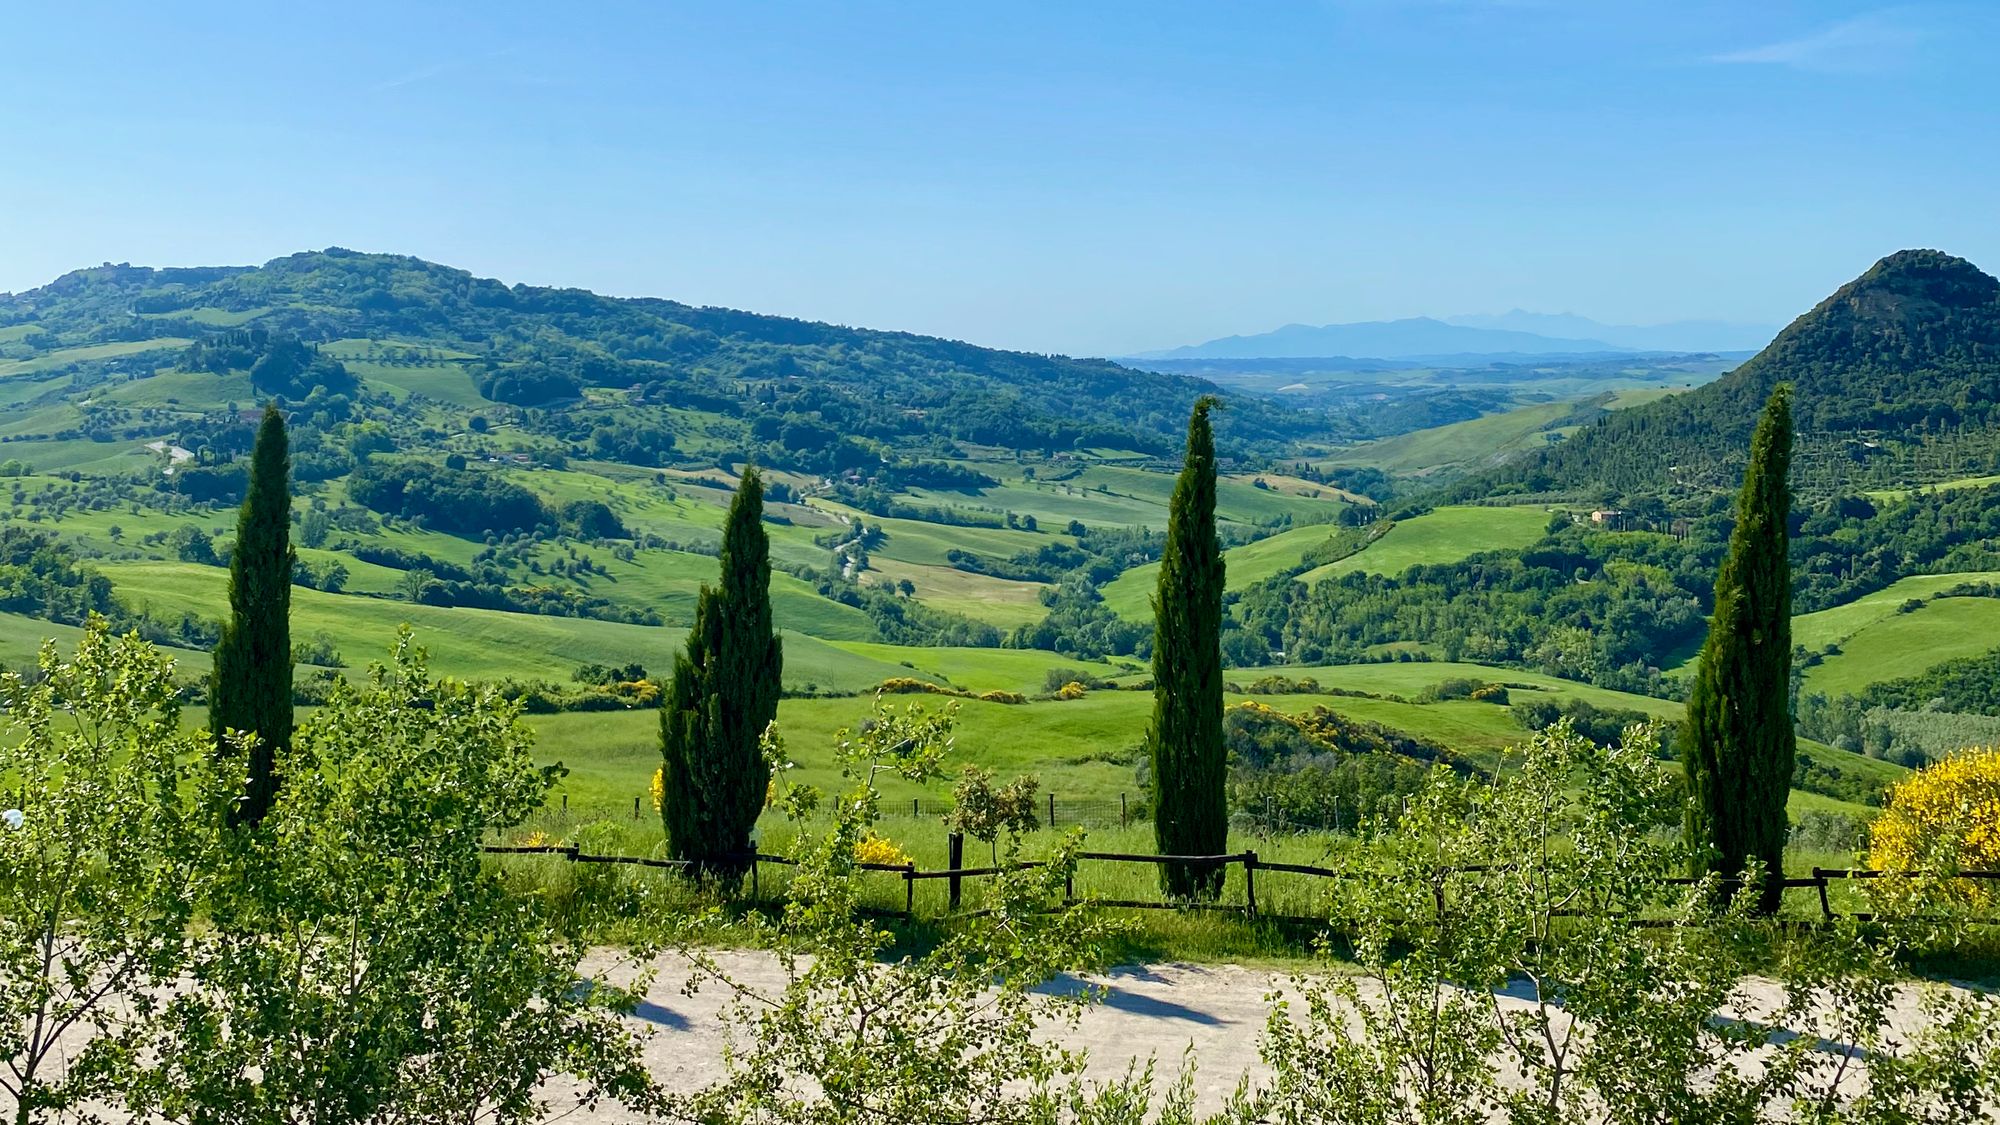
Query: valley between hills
1440,560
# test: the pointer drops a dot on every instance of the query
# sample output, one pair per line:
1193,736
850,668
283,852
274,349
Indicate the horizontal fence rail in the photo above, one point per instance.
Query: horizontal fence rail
1820,879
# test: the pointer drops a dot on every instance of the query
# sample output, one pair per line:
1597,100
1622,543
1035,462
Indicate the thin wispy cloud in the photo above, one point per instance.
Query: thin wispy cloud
420,75
441,68
1872,42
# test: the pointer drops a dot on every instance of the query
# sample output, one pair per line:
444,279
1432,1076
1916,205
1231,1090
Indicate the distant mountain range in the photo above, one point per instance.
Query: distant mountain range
1674,336
1515,333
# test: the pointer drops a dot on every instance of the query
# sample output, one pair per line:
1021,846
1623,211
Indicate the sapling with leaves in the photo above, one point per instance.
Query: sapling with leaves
110,829
954,1033
1526,959
362,962
982,812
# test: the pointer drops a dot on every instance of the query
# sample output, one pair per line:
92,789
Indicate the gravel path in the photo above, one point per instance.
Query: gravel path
1153,1012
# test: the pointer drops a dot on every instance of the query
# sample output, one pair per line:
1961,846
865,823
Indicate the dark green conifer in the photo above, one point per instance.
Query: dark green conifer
724,694
251,689
1190,811
1738,745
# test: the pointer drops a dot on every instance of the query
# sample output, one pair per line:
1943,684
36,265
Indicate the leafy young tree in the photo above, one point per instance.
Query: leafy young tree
101,855
956,1033
1738,746
361,963
251,689
1512,970
1184,740
724,694
983,812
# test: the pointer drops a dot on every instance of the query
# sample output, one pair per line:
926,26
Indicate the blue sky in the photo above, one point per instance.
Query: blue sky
1092,178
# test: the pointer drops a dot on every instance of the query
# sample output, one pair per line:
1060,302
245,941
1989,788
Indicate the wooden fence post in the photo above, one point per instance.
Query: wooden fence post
1052,808
910,890
1250,881
954,850
1121,810
565,805
1825,907
913,807
635,808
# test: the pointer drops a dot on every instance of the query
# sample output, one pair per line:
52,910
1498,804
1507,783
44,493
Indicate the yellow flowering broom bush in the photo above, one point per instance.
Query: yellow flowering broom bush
1945,817
872,848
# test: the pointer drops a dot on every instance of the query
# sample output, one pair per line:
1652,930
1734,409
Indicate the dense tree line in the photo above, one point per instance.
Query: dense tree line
1320,769
1968,684
1598,606
39,577
456,500
279,364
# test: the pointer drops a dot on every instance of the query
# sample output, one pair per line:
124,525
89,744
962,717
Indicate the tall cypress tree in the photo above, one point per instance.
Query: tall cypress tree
1190,810
1739,744
251,689
724,693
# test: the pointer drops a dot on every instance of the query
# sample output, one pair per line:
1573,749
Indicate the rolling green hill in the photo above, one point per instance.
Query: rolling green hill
535,479
1470,444
1904,644
1444,535
1128,595
1893,376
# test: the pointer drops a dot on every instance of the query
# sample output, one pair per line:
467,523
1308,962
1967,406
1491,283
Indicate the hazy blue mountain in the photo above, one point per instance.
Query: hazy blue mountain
1384,339
1674,336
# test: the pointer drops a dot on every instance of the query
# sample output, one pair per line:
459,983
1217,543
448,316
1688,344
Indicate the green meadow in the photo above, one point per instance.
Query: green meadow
1442,535
1129,594
1086,750
1458,445
1906,644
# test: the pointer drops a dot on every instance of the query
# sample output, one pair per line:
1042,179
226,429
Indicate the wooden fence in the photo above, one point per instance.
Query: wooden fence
1820,880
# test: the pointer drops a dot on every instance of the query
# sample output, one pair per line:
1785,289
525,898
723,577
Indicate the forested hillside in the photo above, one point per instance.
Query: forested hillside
1897,375
816,397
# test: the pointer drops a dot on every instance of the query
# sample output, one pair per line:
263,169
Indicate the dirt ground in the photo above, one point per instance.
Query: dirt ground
1147,1012
1155,1012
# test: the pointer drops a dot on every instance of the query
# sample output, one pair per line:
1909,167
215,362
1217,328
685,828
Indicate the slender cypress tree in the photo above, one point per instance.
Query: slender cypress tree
251,689
1739,744
1190,810
724,693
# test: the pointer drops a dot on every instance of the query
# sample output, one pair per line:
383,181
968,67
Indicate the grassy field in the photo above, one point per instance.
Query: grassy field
1085,750
63,357
997,601
478,643
21,639
1894,494
1905,644
1440,536
1834,626
1458,445
1130,497
1128,595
